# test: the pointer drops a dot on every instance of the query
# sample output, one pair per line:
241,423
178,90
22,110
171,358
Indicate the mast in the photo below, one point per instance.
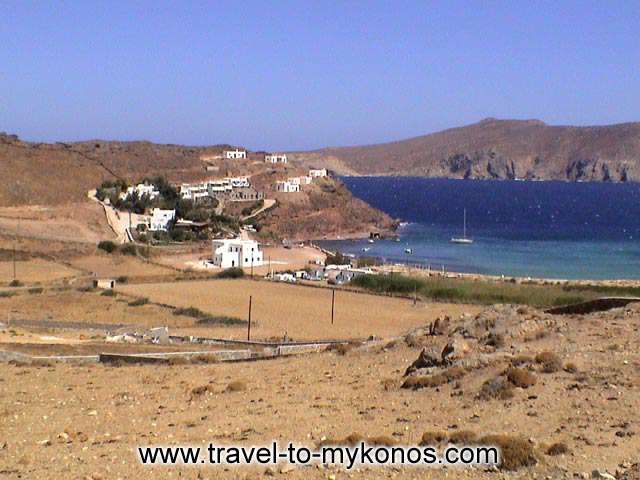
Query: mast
464,228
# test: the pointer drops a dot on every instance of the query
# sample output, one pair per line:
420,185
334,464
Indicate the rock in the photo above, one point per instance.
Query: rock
286,468
93,413
426,359
598,475
456,349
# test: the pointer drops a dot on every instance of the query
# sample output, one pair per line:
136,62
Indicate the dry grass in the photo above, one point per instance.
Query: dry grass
236,386
433,438
558,448
299,311
496,389
521,378
517,452
463,437
549,361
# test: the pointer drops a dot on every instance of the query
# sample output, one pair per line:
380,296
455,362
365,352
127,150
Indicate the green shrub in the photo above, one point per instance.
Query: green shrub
7,294
108,246
233,272
388,283
129,249
109,293
138,302
122,279
16,283
36,290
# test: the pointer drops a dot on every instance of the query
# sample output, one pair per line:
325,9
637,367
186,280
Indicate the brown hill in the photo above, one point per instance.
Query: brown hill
63,173
501,149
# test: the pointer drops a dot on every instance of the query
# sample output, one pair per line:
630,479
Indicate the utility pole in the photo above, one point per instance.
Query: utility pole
333,303
249,323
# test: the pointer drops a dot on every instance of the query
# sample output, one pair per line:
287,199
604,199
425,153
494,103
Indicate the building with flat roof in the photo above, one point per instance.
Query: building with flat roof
236,252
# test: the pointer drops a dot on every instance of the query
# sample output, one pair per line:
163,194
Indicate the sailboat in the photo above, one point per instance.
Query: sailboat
463,240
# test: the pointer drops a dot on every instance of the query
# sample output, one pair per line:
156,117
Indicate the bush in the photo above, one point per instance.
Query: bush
571,368
550,362
520,360
559,448
433,438
388,283
108,246
236,386
463,437
7,294
496,388
129,249
221,320
109,293
16,283
516,452
521,378
138,302
122,279
234,272
36,290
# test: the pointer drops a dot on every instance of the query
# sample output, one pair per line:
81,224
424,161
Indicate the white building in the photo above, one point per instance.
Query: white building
275,158
287,187
194,191
141,189
238,182
236,253
318,172
235,154
160,219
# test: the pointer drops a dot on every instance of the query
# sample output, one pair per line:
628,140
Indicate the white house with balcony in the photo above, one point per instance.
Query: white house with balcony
318,172
236,252
287,186
275,158
161,219
235,154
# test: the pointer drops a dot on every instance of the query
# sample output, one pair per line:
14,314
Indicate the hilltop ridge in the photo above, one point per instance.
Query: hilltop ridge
497,149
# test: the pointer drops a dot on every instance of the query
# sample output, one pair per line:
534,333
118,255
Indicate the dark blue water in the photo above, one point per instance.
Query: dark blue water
537,229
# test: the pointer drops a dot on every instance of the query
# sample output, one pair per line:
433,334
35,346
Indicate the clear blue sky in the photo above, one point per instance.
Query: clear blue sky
297,75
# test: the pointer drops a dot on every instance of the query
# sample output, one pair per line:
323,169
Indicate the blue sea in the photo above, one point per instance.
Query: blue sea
537,229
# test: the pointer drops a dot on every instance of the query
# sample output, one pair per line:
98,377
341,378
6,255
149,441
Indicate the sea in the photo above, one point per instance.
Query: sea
560,230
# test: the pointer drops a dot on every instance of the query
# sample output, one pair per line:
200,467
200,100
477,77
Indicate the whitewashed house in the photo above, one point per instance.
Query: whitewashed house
238,182
318,172
235,154
161,219
287,186
275,158
236,253
304,180
194,191
141,189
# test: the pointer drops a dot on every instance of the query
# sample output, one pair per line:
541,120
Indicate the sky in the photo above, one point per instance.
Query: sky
309,74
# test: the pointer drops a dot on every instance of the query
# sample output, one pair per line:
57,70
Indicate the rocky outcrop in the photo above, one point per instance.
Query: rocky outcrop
498,149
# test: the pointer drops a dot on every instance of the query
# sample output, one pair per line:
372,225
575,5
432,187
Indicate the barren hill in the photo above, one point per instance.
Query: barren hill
62,173
500,149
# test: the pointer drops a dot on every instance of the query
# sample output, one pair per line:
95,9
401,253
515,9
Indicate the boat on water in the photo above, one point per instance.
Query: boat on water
365,249
408,250
464,240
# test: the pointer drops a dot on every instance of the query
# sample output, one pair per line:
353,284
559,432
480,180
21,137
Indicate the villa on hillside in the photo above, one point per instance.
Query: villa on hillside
275,158
161,219
236,253
141,189
318,172
287,186
304,180
232,189
235,154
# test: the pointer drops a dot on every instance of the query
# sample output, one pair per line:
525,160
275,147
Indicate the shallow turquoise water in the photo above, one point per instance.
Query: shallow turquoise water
537,229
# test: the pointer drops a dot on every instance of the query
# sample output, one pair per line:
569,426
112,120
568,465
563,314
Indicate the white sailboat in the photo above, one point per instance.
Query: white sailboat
463,240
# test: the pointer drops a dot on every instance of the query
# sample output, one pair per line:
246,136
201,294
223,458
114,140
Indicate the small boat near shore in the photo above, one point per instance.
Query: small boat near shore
463,240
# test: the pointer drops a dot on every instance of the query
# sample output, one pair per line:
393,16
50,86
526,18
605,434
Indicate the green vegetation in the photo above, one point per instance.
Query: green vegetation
337,259
469,291
108,246
138,302
205,318
16,283
233,272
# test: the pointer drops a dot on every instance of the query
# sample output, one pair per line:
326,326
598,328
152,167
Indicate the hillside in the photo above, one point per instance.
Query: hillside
62,173
498,149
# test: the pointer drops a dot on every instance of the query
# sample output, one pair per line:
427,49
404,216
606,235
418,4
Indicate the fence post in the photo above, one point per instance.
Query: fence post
333,302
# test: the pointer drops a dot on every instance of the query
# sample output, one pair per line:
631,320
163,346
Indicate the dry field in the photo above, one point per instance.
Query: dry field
62,421
36,270
77,222
300,312
115,265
